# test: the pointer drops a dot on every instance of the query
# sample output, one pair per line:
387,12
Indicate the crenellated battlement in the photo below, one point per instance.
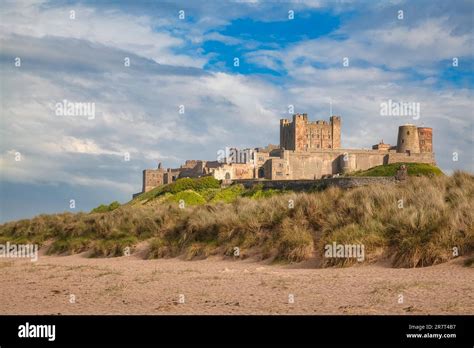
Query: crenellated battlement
304,135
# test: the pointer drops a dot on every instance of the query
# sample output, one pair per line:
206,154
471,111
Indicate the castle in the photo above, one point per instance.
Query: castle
308,150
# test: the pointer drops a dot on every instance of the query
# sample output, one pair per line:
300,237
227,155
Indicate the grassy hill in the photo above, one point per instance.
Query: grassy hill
414,223
200,191
414,169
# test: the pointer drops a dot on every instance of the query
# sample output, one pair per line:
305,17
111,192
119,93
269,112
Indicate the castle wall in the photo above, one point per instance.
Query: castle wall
412,158
310,165
259,159
234,171
243,170
314,165
304,185
171,175
276,169
363,160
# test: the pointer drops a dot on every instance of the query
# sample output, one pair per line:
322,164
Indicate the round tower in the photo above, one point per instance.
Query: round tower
408,140
425,134
347,162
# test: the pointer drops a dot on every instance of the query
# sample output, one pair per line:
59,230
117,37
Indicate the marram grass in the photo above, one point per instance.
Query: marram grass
415,223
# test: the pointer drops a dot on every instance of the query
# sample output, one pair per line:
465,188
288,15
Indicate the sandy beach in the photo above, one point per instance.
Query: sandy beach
130,285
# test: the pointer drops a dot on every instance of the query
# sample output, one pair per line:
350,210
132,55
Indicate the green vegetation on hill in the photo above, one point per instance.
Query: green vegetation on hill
436,216
228,195
187,197
414,169
199,185
103,208
201,191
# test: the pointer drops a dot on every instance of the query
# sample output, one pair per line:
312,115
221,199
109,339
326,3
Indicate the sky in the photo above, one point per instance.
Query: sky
164,85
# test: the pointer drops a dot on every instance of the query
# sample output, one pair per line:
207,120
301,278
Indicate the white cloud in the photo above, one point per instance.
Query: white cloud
394,47
110,28
136,112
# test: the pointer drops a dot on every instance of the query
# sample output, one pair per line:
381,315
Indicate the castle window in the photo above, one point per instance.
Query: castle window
408,132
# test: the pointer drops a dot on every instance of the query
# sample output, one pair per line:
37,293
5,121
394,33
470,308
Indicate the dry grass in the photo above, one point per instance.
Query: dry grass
436,216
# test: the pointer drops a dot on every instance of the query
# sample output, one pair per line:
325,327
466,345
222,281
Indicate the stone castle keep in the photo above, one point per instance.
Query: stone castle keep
308,150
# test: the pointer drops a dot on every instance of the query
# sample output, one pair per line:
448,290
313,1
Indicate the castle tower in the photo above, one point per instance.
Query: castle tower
301,138
336,131
347,162
152,178
425,134
408,140
285,134
302,135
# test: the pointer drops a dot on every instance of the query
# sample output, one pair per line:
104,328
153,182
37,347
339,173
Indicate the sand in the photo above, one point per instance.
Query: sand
130,285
